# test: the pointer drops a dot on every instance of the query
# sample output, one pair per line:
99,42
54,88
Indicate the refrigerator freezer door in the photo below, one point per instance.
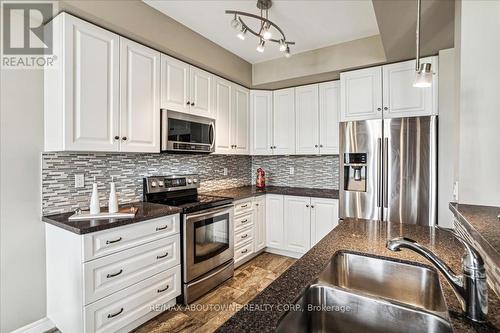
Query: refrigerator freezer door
360,169
409,170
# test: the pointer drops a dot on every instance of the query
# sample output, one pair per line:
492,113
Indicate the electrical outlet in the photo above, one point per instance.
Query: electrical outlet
292,170
79,180
225,171
455,191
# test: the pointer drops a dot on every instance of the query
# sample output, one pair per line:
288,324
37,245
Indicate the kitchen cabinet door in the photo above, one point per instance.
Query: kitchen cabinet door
329,113
274,221
361,94
241,117
307,120
401,99
261,123
324,217
82,106
284,122
201,96
140,98
223,122
174,84
259,220
297,216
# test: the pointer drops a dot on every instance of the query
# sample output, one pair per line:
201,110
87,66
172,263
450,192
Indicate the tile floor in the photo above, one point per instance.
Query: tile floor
213,309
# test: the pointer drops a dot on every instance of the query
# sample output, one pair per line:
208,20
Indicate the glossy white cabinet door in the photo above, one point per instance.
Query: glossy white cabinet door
297,212
274,221
201,96
307,120
361,94
174,84
140,98
223,127
329,113
261,124
90,90
259,220
401,99
241,117
284,121
324,217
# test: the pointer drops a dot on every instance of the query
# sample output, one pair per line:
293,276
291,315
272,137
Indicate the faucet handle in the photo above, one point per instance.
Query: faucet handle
471,259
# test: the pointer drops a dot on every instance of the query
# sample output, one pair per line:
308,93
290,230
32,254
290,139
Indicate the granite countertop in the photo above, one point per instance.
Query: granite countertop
146,211
243,192
361,236
482,223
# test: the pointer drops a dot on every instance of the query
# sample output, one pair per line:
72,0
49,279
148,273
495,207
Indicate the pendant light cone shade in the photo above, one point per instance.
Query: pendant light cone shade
242,34
282,46
287,52
260,47
423,78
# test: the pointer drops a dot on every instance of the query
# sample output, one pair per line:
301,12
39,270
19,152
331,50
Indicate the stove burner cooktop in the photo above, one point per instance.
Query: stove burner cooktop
194,203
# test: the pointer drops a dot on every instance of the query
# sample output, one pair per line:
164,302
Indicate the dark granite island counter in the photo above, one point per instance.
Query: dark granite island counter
361,236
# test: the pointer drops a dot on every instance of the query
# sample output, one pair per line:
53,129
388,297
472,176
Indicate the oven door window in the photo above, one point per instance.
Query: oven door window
211,237
189,131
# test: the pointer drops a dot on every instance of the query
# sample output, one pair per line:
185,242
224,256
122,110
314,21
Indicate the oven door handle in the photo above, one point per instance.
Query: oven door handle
209,213
231,262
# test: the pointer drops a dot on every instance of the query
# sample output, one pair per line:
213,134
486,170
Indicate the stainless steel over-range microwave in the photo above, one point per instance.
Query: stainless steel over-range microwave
186,133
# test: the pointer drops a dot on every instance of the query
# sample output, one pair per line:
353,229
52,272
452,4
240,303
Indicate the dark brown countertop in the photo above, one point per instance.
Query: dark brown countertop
146,211
243,192
361,236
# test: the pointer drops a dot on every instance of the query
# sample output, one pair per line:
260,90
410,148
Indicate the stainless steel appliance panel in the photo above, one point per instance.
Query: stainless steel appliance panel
409,175
364,201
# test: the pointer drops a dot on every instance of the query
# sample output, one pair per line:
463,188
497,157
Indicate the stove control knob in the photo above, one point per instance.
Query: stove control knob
153,184
189,181
195,180
161,183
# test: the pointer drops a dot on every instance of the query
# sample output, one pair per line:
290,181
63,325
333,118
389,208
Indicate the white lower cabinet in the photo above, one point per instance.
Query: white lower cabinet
324,217
274,221
243,231
297,216
112,280
259,218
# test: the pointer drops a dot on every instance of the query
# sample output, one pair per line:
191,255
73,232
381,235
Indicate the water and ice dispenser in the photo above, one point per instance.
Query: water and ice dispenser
355,172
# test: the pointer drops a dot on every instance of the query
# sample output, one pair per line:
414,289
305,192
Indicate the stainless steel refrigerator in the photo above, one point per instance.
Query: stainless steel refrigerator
388,169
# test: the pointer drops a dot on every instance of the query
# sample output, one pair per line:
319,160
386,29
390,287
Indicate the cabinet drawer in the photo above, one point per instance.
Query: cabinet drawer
242,207
110,241
243,221
114,312
243,236
242,252
106,275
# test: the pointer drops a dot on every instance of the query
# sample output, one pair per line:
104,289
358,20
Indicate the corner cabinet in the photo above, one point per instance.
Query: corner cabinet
261,122
307,120
104,92
284,121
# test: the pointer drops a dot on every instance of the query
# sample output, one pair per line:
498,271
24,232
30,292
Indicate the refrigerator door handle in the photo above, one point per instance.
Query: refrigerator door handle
385,180
379,172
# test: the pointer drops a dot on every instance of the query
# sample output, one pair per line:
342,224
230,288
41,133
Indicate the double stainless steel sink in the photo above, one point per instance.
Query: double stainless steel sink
362,293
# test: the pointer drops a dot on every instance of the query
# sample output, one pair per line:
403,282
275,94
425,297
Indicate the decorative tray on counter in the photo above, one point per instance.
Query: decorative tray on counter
123,213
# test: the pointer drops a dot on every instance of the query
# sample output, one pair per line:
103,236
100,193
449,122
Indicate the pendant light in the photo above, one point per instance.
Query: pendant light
423,72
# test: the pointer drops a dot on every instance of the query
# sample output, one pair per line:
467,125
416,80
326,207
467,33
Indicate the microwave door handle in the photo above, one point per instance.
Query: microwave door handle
212,134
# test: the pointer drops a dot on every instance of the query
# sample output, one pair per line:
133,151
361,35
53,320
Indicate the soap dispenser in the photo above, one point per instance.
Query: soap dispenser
95,207
113,200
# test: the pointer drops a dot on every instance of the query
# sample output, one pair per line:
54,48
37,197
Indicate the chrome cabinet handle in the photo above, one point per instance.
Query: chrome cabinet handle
115,314
321,146
315,146
192,104
257,205
117,137
114,241
164,289
124,138
162,228
163,256
109,276
245,251
187,103
386,108
379,109
244,206
244,236
244,221
307,206
312,206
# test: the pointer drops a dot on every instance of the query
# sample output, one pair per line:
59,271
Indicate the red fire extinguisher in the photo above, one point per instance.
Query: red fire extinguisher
261,178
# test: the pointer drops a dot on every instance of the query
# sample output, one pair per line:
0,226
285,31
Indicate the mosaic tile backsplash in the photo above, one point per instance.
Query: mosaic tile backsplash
58,174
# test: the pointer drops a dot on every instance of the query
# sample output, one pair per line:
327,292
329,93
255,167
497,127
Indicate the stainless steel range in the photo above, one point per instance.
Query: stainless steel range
206,233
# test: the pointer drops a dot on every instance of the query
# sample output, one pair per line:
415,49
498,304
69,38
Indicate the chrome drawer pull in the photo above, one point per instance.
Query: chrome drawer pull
114,241
244,221
244,206
245,251
163,256
164,289
161,228
115,274
244,236
115,314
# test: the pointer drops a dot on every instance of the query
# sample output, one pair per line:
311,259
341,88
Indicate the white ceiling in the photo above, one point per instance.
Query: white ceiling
311,24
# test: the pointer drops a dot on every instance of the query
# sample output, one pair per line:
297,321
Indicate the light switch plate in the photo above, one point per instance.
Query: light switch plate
79,180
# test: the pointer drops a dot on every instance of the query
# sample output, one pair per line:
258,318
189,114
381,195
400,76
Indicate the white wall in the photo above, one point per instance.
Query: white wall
22,236
479,173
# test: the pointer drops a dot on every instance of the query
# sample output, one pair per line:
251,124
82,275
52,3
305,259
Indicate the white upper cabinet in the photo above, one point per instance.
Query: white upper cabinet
201,96
329,117
307,119
82,93
174,84
261,123
223,122
361,96
140,98
324,217
284,121
297,216
241,120
274,221
400,98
